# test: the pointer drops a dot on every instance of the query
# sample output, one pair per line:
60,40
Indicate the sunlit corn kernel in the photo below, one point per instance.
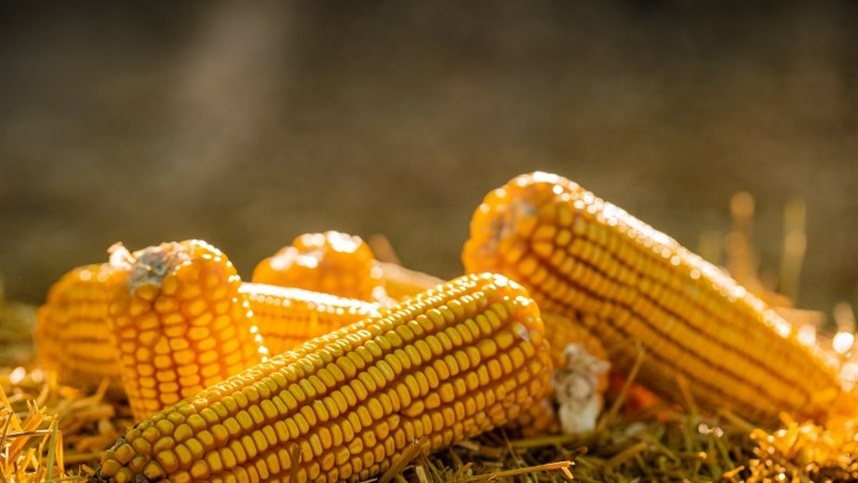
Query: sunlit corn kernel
167,460
842,342
199,469
183,455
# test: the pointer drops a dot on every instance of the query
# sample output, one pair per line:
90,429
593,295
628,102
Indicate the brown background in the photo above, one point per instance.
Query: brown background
248,123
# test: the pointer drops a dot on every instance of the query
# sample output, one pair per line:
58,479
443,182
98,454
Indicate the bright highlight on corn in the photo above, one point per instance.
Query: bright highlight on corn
442,367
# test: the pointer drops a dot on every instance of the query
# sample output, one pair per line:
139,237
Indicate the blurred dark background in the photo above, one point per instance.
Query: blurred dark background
248,123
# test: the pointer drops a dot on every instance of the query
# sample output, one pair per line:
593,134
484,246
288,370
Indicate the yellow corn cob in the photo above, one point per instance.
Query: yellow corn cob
287,317
634,287
71,330
74,339
330,262
437,369
179,322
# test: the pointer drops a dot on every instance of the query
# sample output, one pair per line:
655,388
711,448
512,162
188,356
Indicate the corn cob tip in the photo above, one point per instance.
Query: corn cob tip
154,263
151,265
331,262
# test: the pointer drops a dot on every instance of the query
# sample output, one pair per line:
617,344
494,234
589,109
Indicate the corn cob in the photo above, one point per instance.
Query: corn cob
439,368
634,287
71,329
330,262
179,322
287,317
74,339
343,265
